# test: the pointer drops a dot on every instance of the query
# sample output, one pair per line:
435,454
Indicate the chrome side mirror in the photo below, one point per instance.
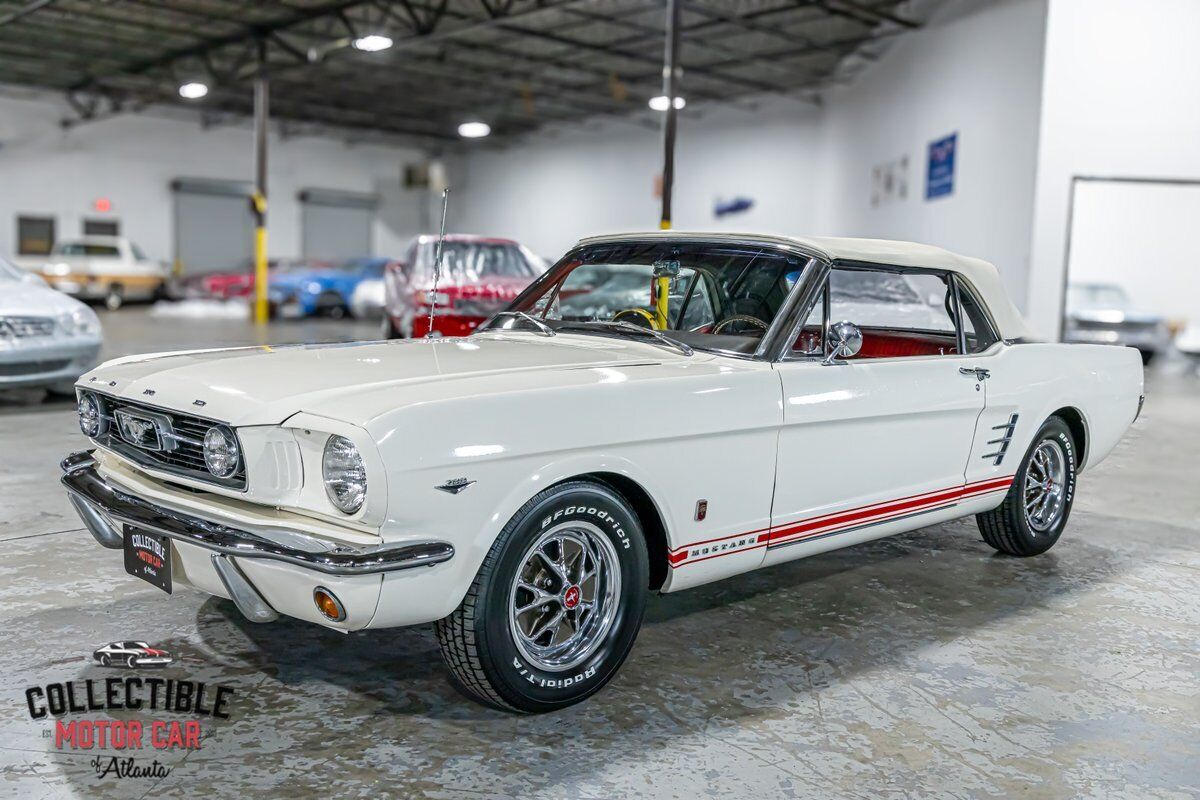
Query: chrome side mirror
845,339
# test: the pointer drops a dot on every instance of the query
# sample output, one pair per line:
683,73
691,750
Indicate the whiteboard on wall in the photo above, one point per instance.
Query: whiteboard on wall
1142,236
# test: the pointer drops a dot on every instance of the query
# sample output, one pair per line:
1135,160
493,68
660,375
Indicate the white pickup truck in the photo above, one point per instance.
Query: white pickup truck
108,268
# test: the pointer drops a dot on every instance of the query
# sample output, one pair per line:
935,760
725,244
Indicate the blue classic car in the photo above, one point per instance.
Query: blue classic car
308,288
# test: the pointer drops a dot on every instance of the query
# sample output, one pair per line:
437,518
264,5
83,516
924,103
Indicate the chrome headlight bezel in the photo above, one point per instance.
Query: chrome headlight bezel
222,455
344,474
90,414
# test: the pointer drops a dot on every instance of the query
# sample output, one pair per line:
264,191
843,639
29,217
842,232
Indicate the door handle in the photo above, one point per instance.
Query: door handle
979,372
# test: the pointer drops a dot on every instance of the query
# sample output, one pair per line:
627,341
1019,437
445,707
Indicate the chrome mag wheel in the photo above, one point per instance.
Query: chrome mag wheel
564,598
1045,489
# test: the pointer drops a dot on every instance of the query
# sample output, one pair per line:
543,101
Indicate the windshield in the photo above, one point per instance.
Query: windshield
1096,295
472,262
87,249
8,272
711,296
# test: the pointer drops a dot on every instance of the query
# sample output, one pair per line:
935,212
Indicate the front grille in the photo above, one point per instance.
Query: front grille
24,327
32,368
1129,327
186,459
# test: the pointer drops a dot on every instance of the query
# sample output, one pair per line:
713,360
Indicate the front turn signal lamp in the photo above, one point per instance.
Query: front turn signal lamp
327,603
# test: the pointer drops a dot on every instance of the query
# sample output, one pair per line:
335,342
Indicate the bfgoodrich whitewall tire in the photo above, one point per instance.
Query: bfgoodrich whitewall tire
556,606
1036,508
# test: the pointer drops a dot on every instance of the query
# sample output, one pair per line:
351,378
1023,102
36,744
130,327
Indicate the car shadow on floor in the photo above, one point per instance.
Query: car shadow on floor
862,607
733,658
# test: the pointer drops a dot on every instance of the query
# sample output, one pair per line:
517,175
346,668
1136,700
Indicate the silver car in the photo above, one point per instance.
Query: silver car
46,338
1102,313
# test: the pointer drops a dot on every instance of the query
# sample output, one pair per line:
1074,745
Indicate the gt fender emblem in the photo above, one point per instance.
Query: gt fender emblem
454,485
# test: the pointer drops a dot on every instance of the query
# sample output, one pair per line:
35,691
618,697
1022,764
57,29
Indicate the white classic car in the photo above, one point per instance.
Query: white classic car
46,338
525,487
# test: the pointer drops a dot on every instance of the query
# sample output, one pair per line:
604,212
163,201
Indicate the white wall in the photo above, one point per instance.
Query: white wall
131,160
1141,236
1121,98
974,69
554,187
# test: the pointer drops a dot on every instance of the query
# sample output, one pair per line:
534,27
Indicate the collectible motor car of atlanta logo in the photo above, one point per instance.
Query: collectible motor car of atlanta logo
123,719
132,654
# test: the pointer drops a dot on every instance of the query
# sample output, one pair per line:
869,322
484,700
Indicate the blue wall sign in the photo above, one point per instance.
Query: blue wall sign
737,205
939,180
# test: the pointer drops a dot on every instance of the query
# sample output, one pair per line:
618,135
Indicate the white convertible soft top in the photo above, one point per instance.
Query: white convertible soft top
979,273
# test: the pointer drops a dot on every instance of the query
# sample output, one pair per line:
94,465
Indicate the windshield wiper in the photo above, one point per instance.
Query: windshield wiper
674,344
534,321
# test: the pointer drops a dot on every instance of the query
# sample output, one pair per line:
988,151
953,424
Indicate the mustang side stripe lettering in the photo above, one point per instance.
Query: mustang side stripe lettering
838,522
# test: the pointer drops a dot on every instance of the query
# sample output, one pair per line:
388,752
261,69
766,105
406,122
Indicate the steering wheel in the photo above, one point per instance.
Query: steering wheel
746,318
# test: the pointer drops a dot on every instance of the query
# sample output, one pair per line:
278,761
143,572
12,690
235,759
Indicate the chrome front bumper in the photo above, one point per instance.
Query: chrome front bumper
104,508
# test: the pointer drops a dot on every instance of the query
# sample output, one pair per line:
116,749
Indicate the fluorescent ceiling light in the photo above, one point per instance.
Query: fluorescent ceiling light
660,103
373,43
193,90
474,130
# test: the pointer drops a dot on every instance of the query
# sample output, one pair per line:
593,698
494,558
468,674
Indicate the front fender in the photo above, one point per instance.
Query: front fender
478,514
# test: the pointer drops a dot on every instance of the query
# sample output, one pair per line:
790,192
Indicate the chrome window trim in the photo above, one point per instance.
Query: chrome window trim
966,284
956,279
814,282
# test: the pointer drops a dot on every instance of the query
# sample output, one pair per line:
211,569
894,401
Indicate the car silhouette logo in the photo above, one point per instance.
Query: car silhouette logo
132,654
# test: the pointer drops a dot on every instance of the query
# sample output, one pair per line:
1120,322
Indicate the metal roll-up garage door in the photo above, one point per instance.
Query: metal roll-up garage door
214,229
335,224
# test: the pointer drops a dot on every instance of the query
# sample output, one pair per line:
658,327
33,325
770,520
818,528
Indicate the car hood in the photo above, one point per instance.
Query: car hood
353,382
30,300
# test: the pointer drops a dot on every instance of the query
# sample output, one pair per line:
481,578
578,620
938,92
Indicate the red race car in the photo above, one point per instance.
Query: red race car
480,276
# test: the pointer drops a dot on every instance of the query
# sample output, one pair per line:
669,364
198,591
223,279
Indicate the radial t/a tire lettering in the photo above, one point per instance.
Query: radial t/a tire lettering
556,605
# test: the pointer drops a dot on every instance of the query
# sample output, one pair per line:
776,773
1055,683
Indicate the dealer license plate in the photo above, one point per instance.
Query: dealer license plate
148,556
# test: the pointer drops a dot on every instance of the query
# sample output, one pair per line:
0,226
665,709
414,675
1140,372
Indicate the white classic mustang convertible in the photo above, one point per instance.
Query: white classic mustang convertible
656,412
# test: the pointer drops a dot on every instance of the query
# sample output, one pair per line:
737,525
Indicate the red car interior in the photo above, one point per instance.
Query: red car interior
885,343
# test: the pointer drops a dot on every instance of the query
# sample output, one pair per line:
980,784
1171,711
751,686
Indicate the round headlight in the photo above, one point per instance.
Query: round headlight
82,322
89,415
220,451
344,473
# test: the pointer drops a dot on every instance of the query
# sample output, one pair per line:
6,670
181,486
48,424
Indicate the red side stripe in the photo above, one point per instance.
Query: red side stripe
837,521
977,484
892,509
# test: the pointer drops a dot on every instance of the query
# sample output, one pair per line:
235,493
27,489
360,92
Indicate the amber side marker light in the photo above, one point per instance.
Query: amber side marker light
328,604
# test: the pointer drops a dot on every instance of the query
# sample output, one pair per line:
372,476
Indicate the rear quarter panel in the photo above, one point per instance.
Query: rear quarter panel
1102,383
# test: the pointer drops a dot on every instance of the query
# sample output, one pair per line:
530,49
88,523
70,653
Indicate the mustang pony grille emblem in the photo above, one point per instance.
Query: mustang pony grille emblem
454,485
146,429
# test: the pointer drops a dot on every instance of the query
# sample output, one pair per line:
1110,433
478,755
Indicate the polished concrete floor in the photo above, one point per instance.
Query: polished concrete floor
920,666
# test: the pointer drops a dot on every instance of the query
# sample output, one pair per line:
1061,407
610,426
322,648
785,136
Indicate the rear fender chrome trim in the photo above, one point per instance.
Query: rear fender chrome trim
108,507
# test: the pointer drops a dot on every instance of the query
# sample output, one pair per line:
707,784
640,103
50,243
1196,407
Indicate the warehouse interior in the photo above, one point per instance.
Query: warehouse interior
266,164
